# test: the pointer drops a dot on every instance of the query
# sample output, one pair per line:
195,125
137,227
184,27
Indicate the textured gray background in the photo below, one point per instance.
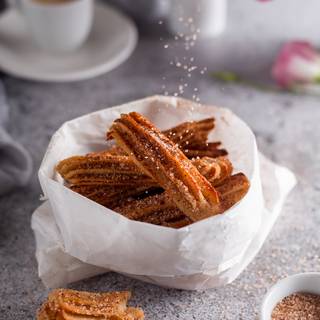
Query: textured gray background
287,130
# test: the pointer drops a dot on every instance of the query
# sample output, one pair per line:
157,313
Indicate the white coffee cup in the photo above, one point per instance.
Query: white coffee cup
206,16
57,26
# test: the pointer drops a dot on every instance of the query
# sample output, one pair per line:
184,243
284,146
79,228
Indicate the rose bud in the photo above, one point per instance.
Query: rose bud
297,64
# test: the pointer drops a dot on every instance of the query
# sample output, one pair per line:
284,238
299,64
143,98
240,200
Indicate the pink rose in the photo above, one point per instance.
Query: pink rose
298,63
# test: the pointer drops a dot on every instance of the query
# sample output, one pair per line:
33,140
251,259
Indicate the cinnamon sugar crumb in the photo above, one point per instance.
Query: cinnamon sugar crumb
298,306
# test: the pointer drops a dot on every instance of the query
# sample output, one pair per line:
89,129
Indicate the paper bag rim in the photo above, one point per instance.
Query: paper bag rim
231,212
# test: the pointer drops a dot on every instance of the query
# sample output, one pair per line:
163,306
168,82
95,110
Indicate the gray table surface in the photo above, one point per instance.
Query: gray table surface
287,130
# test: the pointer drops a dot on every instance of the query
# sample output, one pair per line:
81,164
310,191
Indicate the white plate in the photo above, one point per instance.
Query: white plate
112,39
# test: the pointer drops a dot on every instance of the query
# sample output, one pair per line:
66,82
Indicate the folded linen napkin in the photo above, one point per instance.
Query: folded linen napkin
15,162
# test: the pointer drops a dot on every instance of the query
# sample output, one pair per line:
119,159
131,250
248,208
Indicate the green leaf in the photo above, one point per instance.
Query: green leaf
226,76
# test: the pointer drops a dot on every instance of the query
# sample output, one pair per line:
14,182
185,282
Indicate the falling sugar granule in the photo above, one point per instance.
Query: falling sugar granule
185,63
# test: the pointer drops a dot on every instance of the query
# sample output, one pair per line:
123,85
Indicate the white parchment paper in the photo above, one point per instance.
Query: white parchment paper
77,238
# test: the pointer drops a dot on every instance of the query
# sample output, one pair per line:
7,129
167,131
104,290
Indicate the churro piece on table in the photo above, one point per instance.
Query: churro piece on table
66,304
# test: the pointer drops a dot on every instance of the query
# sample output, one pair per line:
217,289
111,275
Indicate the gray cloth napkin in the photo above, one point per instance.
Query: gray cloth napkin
15,162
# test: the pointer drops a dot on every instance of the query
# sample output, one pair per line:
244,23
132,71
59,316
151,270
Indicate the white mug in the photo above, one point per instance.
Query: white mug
208,17
57,26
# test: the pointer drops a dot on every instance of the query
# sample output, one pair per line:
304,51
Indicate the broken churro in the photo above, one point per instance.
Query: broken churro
67,304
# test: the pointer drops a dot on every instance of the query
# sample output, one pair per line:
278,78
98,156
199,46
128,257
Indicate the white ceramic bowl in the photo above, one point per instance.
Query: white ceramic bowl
302,282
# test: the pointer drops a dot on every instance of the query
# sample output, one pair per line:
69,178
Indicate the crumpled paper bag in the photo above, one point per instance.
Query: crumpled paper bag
77,238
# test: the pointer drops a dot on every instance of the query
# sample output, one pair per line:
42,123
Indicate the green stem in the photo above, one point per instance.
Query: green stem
231,77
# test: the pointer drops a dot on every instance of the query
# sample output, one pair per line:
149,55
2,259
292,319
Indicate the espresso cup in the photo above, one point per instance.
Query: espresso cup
57,25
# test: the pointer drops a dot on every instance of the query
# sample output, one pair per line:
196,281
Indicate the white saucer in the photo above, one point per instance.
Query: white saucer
112,39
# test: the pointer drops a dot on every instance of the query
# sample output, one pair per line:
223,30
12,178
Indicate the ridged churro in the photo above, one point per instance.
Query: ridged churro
67,304
170,178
